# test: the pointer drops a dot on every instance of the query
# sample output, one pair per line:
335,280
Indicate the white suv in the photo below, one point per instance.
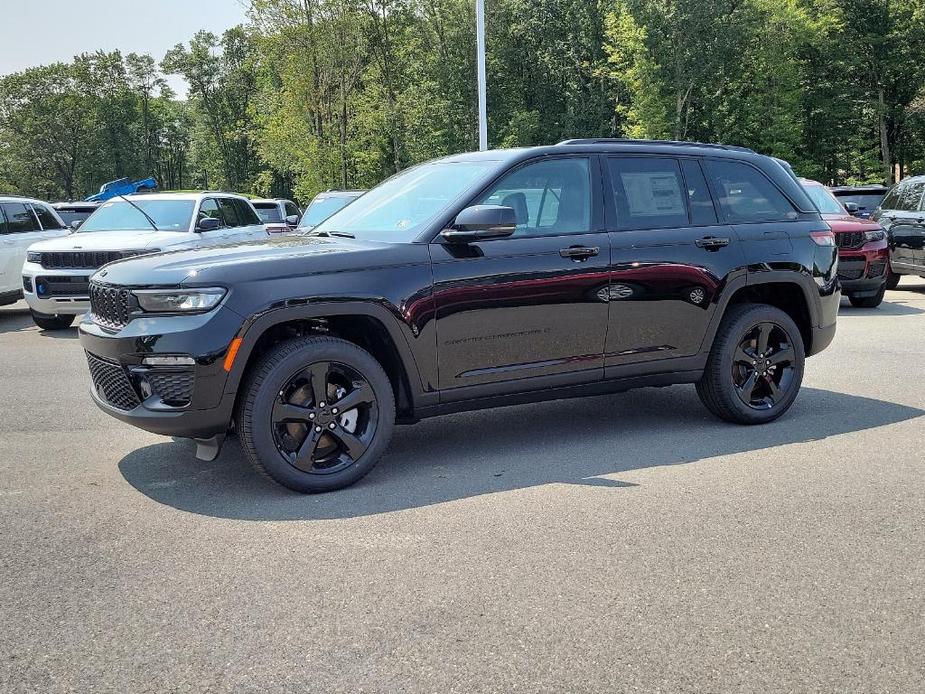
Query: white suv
56,274
23,221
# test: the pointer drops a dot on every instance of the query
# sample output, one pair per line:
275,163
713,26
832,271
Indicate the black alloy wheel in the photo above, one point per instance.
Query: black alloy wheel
324,418
763,366
315,413
755,367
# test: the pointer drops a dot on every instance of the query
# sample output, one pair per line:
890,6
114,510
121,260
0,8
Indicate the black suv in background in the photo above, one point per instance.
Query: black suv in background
473,281
902,215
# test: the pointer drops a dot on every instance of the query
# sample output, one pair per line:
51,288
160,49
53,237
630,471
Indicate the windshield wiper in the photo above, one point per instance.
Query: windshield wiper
341,234
146,215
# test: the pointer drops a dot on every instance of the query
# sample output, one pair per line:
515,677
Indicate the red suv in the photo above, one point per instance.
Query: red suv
863,252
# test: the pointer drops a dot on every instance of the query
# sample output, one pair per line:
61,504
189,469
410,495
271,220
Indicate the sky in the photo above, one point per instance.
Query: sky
37,32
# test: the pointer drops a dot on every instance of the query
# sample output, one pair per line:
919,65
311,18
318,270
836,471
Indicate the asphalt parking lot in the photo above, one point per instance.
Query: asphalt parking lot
618,543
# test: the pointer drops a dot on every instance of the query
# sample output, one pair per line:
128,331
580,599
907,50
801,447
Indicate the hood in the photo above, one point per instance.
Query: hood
111,241
278,257
843,223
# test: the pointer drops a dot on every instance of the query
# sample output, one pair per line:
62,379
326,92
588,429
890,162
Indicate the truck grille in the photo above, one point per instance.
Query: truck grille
112,383
83,260
849,239
110,305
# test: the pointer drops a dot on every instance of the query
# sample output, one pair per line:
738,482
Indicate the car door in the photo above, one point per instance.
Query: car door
670,255
902,216
249,228
18,234
527,311
224,234
52,224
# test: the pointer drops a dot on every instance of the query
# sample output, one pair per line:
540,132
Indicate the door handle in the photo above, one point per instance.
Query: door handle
579,252
712,243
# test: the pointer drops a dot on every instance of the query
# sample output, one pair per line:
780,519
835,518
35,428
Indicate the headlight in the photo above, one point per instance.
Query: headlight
178,300
33,257
876,235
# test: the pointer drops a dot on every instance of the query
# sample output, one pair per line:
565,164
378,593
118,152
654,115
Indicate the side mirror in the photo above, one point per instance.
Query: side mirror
292,220
480,223
76,224
851,207
208,224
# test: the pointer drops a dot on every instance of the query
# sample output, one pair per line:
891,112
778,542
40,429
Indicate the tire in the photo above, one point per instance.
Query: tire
283,383
892,279
868,301
60,321
719,389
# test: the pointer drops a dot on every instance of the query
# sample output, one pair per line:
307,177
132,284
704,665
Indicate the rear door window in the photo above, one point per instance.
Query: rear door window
746,195
46,217
19,218
648,192
246,214
229,212
698,194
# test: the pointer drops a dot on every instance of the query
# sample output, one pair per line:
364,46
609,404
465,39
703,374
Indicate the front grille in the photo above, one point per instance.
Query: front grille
851,269
50,287
112,383
174,389
849,239
83,260
109,305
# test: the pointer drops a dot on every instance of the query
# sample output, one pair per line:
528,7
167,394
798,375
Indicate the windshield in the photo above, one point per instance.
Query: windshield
398,209
268,212
823,199
321,208
119,215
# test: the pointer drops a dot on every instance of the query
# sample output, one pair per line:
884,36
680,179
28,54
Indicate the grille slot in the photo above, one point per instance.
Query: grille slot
849,239
112,383
876,269
83,260
109,305
48,287
175,389
851,269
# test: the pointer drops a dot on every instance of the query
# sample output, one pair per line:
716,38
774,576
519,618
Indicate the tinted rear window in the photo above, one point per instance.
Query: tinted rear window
268,212
864,201
46,217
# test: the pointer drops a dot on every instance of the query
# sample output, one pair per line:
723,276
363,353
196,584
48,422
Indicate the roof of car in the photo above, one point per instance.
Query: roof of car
870,187
19,198
268,201
188,195
75,203
605,144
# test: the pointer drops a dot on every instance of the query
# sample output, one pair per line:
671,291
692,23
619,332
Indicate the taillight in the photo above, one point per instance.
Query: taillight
823,238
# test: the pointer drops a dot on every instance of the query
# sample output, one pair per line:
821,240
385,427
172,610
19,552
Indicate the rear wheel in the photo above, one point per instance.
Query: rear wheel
755,367
59,321
868,301
316,414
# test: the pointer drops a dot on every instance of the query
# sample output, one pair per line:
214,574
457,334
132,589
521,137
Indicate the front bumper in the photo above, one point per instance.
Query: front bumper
863,271
177,400
58,291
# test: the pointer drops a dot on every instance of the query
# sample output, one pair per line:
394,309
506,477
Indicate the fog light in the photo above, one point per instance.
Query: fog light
169,361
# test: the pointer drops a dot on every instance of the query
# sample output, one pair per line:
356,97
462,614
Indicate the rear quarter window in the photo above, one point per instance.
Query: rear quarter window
746,195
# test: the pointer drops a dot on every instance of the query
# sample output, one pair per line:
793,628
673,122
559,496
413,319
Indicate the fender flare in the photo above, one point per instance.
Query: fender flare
255,326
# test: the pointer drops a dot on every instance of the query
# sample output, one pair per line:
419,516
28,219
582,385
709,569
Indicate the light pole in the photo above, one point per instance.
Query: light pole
480,61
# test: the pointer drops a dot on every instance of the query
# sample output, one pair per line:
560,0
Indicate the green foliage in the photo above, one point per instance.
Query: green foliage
315,94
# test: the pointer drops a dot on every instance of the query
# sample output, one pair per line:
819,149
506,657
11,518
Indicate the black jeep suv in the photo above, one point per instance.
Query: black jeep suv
474,281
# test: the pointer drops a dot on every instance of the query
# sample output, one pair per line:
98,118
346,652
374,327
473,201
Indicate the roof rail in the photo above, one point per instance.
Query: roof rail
633,141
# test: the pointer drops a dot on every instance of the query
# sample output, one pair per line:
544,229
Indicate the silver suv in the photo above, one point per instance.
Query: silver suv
56,273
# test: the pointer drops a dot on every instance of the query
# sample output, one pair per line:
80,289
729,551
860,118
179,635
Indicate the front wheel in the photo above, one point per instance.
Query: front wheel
755,367
892,279
868,301
316,414
60,321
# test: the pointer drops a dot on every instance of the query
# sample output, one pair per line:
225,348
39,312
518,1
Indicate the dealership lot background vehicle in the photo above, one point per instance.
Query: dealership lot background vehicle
23,221
476,280
55,276
324,205
863,255
902,214
75,213
279,215
860,201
